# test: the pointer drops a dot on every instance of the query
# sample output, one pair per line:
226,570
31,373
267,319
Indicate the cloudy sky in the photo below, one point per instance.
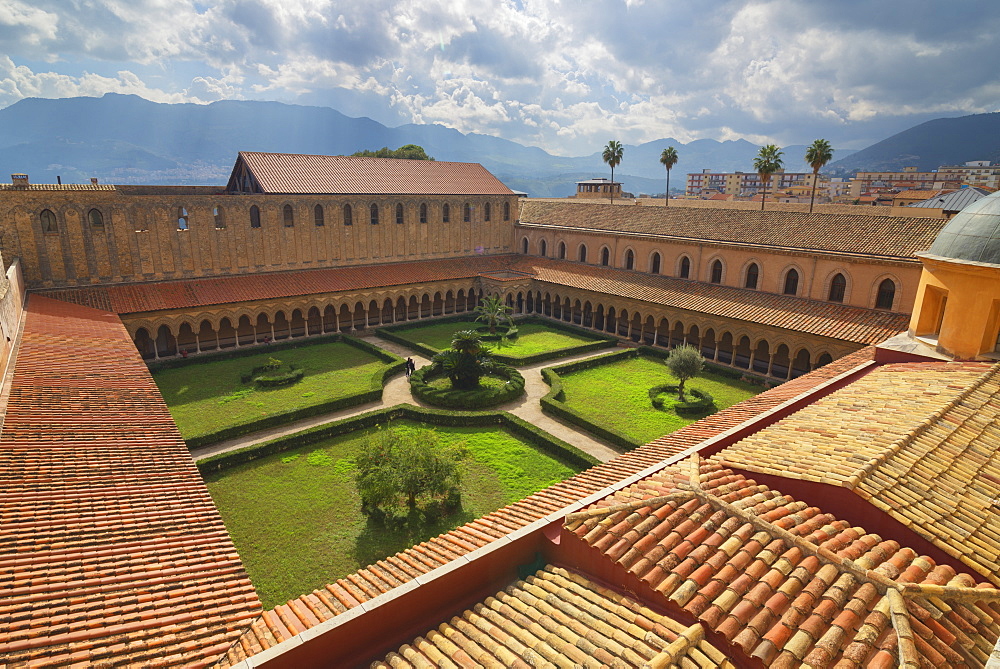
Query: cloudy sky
565,75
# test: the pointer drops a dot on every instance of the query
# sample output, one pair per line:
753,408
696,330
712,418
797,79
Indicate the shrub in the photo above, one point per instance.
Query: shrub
421,385
702,402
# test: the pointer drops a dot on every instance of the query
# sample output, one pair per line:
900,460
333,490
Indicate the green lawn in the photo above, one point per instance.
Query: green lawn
206,397
296,520
616,396
532,338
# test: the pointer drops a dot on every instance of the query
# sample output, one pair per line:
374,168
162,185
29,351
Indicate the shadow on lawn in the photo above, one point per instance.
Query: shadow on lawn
377,540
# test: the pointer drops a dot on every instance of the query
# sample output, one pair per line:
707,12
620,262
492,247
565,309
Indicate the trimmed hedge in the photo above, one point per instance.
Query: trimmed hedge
466,399
601,340
543,440
372,394
703,404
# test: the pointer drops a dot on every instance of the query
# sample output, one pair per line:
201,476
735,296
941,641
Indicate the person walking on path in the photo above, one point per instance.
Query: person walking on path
410,367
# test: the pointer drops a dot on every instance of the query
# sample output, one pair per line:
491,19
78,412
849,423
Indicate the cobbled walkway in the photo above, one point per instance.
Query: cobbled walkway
397,391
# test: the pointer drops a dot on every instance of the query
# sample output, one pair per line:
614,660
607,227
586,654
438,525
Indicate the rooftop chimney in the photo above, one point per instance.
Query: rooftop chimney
19,180
93,180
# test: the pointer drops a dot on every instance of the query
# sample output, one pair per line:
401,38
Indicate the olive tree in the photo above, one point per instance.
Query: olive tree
684,362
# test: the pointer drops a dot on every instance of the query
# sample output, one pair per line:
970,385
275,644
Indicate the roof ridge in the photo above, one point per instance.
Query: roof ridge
933,418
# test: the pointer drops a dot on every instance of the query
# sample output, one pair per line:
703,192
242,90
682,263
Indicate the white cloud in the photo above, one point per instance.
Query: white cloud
562,75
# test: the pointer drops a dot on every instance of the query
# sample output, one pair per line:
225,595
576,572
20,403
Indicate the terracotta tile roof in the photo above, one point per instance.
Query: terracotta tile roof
917,440
190,293
302,613
789,584
878,235
304,174
827,319
111,549
561,618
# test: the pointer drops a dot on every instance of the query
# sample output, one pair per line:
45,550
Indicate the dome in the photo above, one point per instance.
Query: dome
973,234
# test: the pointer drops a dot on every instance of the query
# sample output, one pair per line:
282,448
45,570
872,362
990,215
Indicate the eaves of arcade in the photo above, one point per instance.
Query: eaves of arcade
171,302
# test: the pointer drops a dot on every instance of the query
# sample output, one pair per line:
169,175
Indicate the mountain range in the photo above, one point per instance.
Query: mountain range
125,139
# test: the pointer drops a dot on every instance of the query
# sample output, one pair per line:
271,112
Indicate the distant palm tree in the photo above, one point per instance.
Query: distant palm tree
818,154
669,159
767,162
613,156
492,311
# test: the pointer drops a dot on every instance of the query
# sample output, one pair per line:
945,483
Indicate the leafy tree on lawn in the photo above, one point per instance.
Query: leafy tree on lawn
767,162
492,311
393,470
684,362
818,154
612,155
669,159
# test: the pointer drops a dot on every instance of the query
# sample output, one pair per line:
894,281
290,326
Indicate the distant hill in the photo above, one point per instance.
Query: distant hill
943,141
125,139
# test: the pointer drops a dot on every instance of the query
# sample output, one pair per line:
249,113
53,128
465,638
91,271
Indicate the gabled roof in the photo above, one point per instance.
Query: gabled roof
319,175
955,200
111,549
877,235
790,584
916,440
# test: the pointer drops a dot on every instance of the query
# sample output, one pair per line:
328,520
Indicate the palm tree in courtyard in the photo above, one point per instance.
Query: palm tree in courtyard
767,162
669,159
492,311
613,156
818,154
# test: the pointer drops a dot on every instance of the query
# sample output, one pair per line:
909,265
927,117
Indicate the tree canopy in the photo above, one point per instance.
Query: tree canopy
392,470
492,311
407,151
612,155
684,362
669,159
767,162
818,154
466,361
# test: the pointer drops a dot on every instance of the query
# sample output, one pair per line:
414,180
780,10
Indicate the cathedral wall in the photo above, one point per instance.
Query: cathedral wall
162,237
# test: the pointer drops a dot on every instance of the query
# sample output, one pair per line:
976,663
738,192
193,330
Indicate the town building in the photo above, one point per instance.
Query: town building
749,184
843,517
979,173
598,187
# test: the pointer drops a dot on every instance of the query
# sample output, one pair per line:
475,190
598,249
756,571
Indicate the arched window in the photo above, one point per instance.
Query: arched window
791,283
48,220
582,255
446,213
319,216
423,212
487,211
220,220
374,213
838,286
182,218
562,250
753,274
605,256
506,211
524,246
467,213
399,214
542,248
254,216
96,218
685,272
629,259
348,215
717,272
886,294
288,215
654,263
